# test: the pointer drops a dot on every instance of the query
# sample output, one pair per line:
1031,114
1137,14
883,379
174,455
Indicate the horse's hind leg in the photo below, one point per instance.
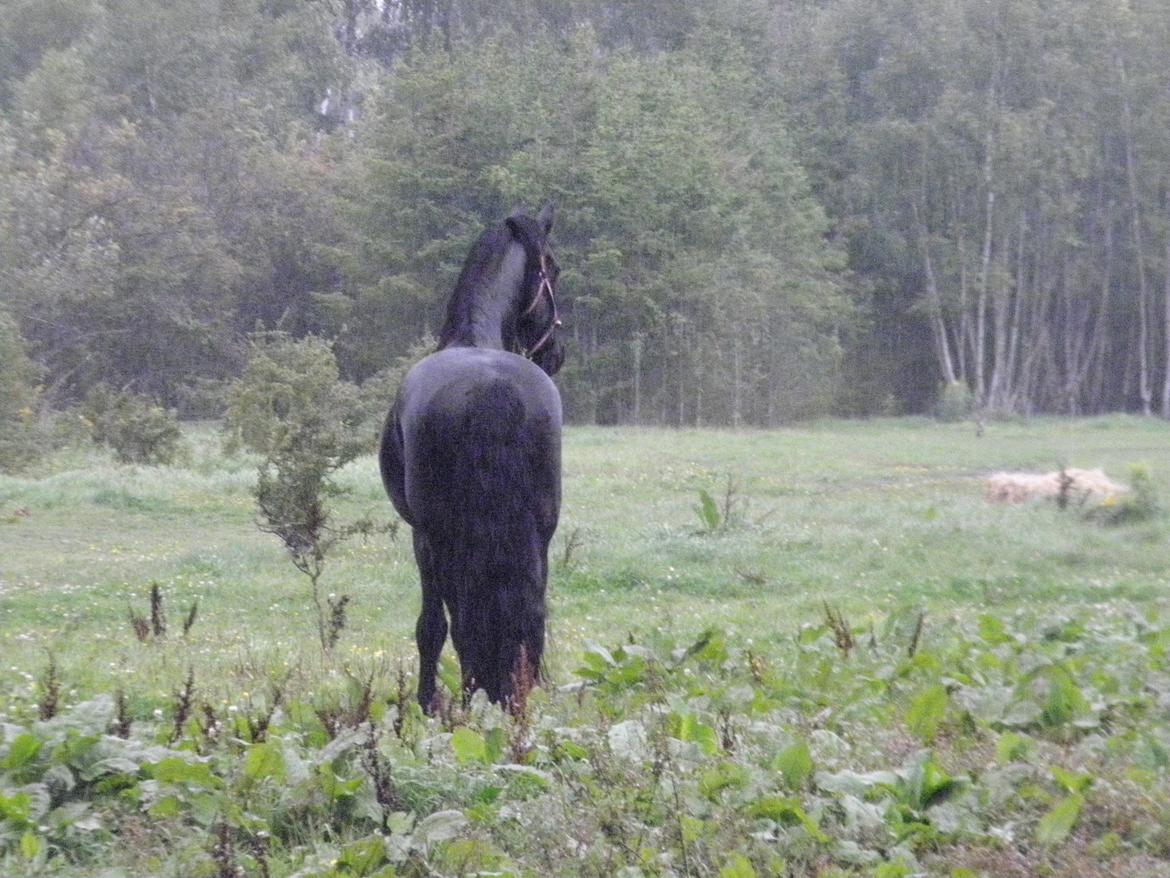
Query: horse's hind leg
431,630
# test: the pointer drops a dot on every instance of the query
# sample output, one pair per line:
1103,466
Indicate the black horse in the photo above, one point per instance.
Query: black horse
471,458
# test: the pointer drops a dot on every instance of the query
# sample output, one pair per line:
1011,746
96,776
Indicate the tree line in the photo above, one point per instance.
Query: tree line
770,209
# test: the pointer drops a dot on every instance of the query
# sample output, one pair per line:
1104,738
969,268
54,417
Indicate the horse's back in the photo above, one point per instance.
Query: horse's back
473,431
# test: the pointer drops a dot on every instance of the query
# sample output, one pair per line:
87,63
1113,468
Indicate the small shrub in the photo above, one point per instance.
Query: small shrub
189,619
955,402
836,622
120,727
133,426
1141,503
291,407
155,626
290,396
50,701
138,624
184,703
158,616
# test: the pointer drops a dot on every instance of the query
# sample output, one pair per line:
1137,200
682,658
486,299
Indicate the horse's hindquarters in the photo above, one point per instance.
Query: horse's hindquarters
479,426
480,436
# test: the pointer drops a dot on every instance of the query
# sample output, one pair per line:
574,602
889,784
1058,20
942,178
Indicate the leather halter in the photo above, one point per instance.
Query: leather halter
543,289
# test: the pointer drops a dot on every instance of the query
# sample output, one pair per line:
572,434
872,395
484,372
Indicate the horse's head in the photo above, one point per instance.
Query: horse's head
506,295
537,320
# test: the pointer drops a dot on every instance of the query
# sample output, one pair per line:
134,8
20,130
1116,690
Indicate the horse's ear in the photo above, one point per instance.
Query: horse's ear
545,217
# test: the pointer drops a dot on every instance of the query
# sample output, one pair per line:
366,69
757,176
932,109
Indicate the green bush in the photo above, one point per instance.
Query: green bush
955,402
1141,503
290,396
134,426
291,407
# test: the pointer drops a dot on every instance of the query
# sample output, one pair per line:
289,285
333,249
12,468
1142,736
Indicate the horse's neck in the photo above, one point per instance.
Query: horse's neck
490,308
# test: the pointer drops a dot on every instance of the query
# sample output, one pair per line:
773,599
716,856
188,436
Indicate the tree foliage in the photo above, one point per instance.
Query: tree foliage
19,443
770,209
137,430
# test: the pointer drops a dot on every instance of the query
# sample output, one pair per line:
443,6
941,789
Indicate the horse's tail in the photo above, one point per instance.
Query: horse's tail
494,553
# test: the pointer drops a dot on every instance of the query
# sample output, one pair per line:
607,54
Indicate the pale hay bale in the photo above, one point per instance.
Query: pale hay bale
1004,487
1018,487
1094,481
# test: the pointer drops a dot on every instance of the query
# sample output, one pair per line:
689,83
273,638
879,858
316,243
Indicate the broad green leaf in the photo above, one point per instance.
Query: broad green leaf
927,711
1011,747
1055,826
711,645
207,809
176,770
787,811
928,783
569,750
449,675
471,856
469,746
336,788
1073,782
166,808
23,750
524,780
30,845
17,807
361,857
264,760
440,826
686,727
725,775
708,511
737,866
992,630
494,742
795,763
598,667
1064,701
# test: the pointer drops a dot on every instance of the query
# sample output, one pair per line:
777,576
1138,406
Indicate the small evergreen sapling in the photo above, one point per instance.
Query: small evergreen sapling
291,407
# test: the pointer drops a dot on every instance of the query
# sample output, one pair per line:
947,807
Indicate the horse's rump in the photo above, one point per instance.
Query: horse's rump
482,479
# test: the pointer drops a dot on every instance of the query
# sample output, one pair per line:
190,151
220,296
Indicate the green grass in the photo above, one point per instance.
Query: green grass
869,516
881,519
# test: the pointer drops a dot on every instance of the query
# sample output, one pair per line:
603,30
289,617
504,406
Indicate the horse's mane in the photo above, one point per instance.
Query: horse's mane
458,328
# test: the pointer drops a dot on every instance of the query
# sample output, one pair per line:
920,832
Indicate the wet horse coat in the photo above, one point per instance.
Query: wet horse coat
471,459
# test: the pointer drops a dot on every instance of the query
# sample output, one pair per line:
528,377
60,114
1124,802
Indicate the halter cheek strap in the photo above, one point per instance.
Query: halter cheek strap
543,289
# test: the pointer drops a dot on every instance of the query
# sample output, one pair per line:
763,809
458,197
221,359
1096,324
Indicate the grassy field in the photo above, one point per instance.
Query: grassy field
1002,709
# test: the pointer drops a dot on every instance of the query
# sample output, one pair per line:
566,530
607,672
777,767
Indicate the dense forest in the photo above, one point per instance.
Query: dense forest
769,209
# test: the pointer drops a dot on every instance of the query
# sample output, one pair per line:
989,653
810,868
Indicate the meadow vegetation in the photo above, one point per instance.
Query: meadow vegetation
808,651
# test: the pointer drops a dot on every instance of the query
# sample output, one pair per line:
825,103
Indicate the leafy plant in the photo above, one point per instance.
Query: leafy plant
718,516
1140,503
291,408
138,430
